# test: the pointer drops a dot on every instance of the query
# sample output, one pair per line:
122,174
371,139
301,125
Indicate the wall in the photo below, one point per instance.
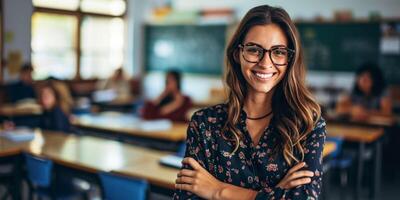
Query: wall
300,9
17,23
137,12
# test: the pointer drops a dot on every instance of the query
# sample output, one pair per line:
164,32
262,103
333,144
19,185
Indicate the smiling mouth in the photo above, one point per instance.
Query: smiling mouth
264,76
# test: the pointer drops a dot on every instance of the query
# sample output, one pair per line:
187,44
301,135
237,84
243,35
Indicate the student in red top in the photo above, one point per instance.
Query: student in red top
171,104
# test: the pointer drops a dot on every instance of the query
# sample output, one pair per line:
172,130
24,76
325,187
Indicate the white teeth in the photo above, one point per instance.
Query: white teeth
264,75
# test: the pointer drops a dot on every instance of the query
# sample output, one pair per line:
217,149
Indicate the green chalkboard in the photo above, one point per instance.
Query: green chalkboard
339,46
187,48
200,48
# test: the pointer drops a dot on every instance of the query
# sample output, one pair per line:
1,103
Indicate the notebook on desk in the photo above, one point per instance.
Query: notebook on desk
19,134
155,125
172,161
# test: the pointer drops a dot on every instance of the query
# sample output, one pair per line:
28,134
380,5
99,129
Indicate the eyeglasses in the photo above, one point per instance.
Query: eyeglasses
254,53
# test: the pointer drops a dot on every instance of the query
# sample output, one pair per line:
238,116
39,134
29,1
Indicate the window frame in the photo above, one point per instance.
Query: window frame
79,14
1,41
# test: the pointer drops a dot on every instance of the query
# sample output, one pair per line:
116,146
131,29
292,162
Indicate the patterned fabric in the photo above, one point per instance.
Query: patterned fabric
252,167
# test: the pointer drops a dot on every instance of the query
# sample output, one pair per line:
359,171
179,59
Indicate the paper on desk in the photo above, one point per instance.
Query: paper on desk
104,95
19,134
155,125
172,161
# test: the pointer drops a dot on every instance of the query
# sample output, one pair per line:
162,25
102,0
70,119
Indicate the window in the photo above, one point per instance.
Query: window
58,4
111,7
53,45
77,38
102,46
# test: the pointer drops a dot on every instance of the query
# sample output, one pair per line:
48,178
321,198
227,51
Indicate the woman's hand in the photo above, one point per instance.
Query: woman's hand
296,177
198,181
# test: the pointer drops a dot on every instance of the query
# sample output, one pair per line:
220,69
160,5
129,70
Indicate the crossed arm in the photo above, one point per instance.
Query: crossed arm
200,182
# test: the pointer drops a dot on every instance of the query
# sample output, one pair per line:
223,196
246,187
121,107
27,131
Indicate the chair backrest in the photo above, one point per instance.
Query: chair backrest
339,142
39,170
116,187
181,150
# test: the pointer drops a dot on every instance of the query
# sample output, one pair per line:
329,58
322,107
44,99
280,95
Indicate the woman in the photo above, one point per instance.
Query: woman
171,104
368,96
53,117
266,142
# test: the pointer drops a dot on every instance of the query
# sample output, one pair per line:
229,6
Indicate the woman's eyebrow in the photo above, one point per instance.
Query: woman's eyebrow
253,43
279,46
259,45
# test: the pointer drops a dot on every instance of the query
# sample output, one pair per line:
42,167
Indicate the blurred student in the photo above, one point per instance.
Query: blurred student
53,117
23,88
368,96
9,75
64,92
118,84
171,104
12,67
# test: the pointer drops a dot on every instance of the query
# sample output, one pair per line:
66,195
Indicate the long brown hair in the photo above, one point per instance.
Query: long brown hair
295,110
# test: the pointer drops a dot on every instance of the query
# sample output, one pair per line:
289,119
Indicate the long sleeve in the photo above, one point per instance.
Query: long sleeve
195,148
61,121
313,159
55,120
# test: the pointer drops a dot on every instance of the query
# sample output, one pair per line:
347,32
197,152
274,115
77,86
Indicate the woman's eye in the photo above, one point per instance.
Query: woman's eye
280,52
253,50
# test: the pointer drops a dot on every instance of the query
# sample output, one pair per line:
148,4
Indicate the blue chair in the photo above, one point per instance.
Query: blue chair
137,105
39,176
7,180
181,150
340,161
41,184
117,187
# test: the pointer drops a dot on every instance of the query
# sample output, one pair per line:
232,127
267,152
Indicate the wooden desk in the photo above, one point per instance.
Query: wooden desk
128,125
354,133
84,152
13,110
373,120
362,135
92,154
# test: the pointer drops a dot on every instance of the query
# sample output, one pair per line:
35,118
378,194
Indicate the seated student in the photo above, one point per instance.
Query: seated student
53,117
119,84
22,89
64,92
171,104
368,96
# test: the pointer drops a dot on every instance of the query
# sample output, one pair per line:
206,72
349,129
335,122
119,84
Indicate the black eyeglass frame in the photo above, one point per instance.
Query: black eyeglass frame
290,53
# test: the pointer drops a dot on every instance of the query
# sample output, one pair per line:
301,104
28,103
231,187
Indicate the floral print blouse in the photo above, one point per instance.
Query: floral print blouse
252,166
